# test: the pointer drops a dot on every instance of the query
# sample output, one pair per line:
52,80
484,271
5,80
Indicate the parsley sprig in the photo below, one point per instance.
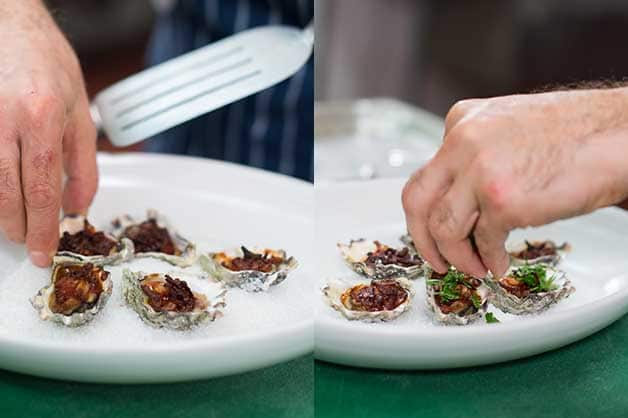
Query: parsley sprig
535,277
490,318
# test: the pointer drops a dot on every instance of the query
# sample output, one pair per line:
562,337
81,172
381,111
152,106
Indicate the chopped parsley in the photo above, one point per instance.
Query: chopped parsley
535,277
448,283
477,302
490,318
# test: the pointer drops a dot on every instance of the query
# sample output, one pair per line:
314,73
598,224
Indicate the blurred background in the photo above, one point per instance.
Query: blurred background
110,38
430,53
434,52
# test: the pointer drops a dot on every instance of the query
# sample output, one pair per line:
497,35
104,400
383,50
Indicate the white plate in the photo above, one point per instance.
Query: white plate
215,205
597,266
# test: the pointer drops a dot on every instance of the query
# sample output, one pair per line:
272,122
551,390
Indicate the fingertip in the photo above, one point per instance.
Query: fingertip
439,265
40,258
478,272
500,265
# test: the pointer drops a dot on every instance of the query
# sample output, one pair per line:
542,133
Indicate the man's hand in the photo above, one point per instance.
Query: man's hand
46,130
516,161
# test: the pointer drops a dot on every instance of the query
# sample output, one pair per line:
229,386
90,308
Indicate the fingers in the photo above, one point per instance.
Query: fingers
41,176
420,192
79,156
490,240
12,221
450,224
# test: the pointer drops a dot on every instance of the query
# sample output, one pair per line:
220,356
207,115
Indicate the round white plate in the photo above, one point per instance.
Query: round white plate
214,204
597,266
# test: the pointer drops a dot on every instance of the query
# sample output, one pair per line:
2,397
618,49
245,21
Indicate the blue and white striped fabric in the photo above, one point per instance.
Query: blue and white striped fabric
273,129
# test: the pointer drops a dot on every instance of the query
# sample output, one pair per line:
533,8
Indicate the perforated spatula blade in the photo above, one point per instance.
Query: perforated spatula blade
200,81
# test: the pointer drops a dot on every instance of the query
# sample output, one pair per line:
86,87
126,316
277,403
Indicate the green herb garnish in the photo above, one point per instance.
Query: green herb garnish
490,318
535,277
448,283
477,302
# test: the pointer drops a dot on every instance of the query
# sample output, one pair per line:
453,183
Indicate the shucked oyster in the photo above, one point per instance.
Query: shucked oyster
155,238
77,292
381,300
454,298
534,252
165,301
378,261
529,289
81,242
253,270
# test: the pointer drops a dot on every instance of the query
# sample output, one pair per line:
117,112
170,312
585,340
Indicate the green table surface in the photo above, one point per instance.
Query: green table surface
588,378
285,390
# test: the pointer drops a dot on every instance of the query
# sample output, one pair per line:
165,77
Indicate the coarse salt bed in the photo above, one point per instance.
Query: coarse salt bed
118,325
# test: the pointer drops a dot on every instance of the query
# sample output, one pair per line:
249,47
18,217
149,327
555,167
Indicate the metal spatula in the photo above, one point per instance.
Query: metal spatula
200,81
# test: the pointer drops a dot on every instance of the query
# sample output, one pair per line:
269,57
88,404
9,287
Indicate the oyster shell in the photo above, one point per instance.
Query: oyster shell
378,261
470,304
512,295
77,292
155,238
80,242
535,252
345,298
184,310
246,274
407,240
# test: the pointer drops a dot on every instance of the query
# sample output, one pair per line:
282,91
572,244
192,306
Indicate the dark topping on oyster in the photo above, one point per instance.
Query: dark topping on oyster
265,262
77,287
150,237
455,292
170,295
386,255
528,279
380,295
87,242
535,250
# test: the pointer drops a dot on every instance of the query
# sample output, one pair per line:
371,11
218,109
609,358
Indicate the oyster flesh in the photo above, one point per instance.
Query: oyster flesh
80,242
155,238
378,261
163,301
253,270
380,300
455,298
77,292
529,288
534,252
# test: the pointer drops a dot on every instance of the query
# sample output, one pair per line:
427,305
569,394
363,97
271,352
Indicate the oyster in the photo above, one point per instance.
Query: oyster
381,300
81,242
77,292
253,270
529,288
534,252
378,261
155,238
163,301
454,298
